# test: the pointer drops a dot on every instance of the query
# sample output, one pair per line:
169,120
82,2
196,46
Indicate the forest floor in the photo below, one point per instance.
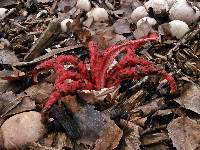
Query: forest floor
49,101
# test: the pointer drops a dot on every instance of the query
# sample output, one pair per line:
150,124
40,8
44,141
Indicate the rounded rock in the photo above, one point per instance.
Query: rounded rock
181,10
159,6
171,2
151,21
84,5
22,129
178,28
99,14
3,12
139,13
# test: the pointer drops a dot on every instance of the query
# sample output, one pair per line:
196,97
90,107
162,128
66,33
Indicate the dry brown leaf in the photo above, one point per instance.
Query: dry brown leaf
184,133
103,33
109,136
131,136
83,34
90,122
4,85
122,26
45,39
48,140
93,97
97,128
157,147
127,6
8,101
63,141
66,5
2,46
149,108
71,103
26,105
163,112
11,75
190,99
40,92
155,138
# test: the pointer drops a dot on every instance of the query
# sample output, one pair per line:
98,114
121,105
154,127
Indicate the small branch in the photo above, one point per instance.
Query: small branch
188,37
48,55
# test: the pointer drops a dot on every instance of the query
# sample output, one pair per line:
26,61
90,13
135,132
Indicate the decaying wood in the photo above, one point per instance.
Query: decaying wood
52,53
49,35
188,37
66,122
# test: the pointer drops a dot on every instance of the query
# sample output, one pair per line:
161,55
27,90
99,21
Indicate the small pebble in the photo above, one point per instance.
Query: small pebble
22,129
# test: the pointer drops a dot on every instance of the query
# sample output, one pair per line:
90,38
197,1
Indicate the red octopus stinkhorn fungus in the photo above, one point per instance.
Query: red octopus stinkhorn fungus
101,76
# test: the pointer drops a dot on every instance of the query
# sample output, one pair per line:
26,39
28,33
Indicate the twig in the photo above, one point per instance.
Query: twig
7,14
118,109
48,55
49,35
17,24
188,37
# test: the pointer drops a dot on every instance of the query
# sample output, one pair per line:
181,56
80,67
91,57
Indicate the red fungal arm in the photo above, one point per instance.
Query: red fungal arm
151,68
127,68
94,60
67,59
53,98
68,87
110,54
82,70
171,81
47,64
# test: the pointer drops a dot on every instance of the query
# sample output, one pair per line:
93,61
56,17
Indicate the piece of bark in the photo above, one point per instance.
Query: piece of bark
154,138
47,55
65,121
49,35
131,135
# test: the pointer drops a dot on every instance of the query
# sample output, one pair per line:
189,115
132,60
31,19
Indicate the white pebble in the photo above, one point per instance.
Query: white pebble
3,12
178,28
158,6
84,5
151,21
170,3
181,10
99,14
138,13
